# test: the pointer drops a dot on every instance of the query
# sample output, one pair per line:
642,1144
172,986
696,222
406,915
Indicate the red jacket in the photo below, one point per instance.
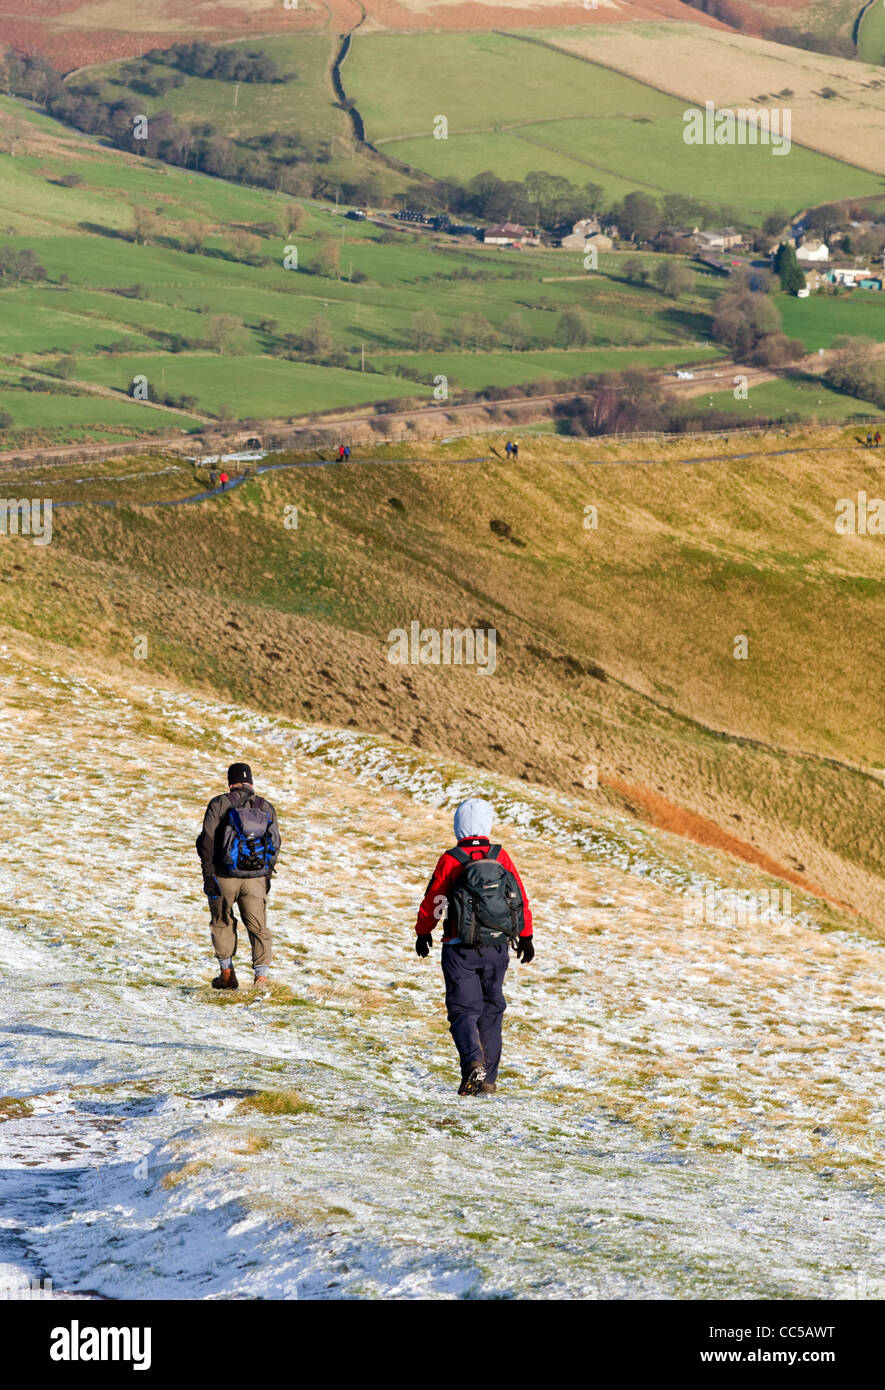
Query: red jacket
433,906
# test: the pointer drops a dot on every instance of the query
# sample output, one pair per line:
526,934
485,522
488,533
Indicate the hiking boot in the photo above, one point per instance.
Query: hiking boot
226,980
472,1081
261,984
487,1088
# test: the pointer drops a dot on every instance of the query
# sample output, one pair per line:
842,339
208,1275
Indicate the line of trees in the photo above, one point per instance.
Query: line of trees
220,63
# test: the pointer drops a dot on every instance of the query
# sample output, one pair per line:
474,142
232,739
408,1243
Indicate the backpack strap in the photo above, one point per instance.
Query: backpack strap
461,855
494,851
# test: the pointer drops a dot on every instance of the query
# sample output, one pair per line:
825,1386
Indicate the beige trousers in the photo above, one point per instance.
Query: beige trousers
250,896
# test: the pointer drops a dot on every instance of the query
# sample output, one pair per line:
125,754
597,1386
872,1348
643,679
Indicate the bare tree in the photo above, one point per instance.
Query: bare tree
226,334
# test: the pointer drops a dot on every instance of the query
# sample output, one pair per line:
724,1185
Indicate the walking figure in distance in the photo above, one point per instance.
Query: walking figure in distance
475,887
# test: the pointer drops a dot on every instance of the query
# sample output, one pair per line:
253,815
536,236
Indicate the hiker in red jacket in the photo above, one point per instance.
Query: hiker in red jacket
475,887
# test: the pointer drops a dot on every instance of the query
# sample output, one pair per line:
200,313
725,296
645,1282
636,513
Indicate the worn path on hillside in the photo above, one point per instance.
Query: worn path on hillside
460,462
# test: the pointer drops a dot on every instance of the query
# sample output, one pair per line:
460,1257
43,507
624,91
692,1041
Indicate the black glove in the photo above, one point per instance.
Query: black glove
210,887
423,944
525,951
267,882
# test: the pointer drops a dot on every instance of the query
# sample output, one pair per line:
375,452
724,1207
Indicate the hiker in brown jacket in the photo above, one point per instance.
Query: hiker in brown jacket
238,848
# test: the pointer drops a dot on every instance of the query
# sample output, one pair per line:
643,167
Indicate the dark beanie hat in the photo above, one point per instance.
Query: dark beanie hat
239,772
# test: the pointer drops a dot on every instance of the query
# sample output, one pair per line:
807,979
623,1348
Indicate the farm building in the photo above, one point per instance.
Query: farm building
850,276
809,249
579,241
721,239
510,233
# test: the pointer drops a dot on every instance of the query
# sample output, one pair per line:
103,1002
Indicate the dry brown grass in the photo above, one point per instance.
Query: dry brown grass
15,1108
285,1102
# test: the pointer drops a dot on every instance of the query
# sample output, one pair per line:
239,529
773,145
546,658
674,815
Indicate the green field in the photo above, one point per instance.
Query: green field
84,416
807,399
260,386
871,33
822,317
480,80
305,105
476,370
66,414
514,106
122,309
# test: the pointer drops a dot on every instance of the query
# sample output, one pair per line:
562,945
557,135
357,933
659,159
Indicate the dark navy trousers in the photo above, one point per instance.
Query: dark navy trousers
475,1002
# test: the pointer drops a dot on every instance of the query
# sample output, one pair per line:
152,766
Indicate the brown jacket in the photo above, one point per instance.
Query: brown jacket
210,838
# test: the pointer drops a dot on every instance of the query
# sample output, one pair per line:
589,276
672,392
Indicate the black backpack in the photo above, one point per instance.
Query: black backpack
485,904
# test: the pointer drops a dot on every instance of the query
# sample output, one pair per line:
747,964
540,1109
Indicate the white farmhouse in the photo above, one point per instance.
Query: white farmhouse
811,250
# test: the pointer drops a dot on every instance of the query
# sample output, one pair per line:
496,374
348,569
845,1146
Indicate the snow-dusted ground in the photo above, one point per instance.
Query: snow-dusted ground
684,1111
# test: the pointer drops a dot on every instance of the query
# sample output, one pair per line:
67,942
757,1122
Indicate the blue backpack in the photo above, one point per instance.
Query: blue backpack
247,847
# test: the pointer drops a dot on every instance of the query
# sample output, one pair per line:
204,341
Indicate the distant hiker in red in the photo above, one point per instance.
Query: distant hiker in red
224,481
878,438
476,889
340,453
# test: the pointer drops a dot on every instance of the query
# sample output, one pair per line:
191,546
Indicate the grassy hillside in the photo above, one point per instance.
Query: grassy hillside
297,115
824,17
871,34
616,645
514,105
121,308
837,105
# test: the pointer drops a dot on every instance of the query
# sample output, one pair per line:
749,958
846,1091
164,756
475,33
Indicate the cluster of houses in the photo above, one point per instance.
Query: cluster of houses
574,236
721,248
813,256
850,277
